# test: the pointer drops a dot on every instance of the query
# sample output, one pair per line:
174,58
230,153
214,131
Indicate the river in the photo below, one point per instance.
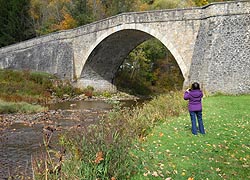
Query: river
20,140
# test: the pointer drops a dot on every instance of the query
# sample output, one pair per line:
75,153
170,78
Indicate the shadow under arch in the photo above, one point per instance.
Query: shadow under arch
112,47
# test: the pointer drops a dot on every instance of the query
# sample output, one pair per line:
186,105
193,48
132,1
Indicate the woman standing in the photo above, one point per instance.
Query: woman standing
194,96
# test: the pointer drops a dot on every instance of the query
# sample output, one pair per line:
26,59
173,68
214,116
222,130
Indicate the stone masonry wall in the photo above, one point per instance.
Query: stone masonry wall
53,57
221,61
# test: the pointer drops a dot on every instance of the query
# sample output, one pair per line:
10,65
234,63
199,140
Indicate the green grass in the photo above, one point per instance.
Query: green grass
21,107
155,142
171,151
18,86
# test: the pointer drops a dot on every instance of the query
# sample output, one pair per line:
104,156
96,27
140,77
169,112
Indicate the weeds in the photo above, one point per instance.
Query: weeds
23,85
155,142
33,87
47,165
103,150
65,88
88,91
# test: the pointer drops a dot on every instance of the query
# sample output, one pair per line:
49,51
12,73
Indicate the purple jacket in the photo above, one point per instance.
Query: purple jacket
194,97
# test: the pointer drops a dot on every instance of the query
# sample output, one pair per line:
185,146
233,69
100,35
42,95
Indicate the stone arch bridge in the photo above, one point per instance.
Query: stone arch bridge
211,45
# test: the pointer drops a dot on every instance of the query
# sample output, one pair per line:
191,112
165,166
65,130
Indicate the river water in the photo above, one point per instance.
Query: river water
20,141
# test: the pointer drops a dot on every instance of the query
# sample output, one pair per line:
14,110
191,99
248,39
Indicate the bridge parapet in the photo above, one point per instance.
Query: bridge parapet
226,9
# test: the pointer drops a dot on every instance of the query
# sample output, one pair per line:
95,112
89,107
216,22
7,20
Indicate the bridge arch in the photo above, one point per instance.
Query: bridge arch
94,71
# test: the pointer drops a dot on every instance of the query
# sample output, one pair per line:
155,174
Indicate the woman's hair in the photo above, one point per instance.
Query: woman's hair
195,85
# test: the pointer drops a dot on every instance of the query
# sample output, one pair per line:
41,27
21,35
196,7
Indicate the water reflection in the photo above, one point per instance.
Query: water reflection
93,104
81,105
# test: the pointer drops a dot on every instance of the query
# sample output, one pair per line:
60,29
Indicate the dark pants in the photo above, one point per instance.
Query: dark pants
193,115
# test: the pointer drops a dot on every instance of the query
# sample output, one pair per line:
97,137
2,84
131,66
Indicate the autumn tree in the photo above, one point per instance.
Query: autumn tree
51,15
67,22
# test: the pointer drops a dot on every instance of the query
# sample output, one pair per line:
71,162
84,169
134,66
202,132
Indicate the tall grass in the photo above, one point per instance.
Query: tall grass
103,150
30,87
33,87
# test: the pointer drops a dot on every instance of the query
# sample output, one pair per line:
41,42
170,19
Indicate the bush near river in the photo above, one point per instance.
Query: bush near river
17,87
155,142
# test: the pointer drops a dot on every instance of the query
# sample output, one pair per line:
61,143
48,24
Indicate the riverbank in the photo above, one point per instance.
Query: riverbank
31,92
23,135
25,97
53,110
155,142
102,150
29,119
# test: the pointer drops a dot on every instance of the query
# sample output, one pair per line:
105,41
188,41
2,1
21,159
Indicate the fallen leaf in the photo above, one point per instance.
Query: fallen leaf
99,157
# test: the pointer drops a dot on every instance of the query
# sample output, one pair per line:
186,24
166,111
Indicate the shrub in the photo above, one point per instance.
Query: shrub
88,91
106,94
66,88
32,87
24,85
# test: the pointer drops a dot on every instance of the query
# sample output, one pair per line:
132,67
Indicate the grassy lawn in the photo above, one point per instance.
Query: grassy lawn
171,151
